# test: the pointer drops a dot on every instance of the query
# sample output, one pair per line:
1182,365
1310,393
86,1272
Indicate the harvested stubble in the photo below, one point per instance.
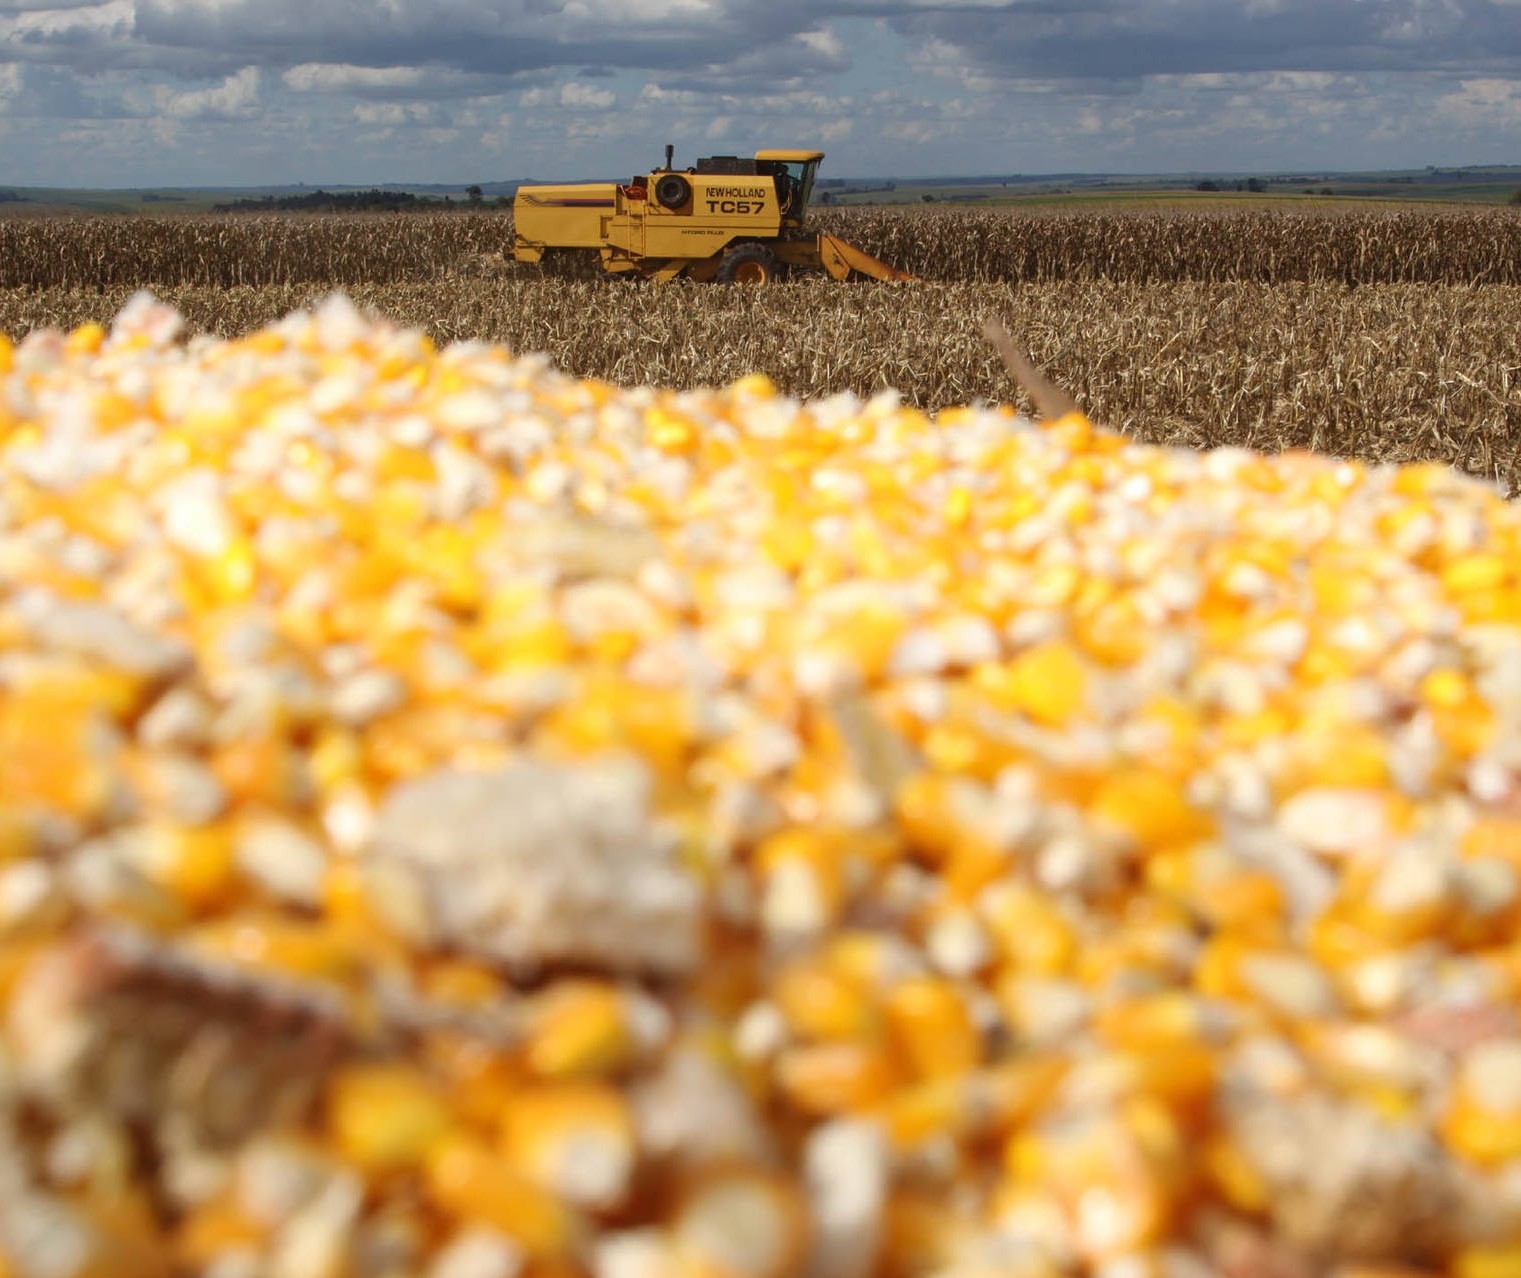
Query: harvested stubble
461,820
1392,373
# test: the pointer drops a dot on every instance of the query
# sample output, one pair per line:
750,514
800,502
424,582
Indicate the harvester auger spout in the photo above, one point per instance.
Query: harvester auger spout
729,218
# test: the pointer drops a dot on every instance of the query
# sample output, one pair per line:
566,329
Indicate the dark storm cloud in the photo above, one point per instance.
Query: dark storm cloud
478,37
699,40
1124,39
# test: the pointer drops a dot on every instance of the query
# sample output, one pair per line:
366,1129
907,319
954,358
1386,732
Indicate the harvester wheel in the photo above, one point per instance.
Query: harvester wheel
749,264
673,190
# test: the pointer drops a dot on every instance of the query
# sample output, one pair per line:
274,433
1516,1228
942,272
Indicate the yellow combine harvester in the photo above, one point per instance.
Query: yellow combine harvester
728,219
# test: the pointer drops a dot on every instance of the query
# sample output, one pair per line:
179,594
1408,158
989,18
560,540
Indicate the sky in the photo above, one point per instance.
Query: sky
122,93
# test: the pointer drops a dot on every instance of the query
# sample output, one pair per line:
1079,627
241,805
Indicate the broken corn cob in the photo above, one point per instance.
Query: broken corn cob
458,820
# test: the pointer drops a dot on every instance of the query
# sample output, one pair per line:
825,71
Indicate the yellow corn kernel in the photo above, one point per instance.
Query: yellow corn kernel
1494,836
457,981
1217,971
576,1139
1487,1262
1148,1020
940,1107
1469,574
932,1028
741,1224
262,769
197,865
1149,808
123,1236
1048,683
17,836
920,1231
346,899
755,386
1233,1176
466,1180
386,1118
835,1078
1118,1180
292,946
669,431
51,760
213,1229
85,340
578,1029
1114,632
336,758
814,857
1012,1092
1483,1122
926,808
1244,902
479,1080
1338,755
1029,929
823,1004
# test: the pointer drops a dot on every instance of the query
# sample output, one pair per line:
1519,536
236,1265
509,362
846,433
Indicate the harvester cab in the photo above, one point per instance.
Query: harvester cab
729,218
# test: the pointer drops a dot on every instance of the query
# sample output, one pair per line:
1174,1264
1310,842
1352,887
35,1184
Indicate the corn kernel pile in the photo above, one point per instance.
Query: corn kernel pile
461,821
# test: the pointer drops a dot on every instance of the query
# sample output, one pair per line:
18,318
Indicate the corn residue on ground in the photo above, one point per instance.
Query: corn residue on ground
463,821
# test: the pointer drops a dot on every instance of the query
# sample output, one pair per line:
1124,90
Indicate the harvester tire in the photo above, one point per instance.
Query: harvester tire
672,191
749,264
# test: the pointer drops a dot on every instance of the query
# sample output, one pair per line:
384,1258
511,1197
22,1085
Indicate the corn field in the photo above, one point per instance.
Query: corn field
1269,246
1363,246
1391,372
229,251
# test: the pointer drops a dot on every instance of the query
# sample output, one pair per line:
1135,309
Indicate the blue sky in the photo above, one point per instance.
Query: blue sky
162,92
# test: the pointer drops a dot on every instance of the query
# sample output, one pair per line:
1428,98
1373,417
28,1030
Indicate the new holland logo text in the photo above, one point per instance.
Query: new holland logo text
736,199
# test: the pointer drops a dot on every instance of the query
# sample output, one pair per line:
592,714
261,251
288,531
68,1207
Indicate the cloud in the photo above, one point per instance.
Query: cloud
1115,40
1483,103
571,95
340,77
583,97
890,85
236,98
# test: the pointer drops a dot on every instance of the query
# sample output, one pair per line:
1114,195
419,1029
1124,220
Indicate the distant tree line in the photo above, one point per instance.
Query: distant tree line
371,201
1254,185
13,197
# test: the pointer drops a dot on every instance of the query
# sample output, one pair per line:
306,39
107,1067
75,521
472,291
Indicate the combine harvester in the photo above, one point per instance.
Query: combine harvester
728,219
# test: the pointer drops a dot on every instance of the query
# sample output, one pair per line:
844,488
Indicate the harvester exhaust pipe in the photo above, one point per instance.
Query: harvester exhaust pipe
670,156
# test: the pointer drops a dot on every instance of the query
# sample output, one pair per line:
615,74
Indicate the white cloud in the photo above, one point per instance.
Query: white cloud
657,95
644,11
340,77
393,113
824,41
1483,103
585,97
35,32
236,98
